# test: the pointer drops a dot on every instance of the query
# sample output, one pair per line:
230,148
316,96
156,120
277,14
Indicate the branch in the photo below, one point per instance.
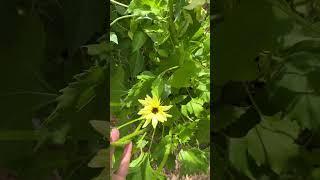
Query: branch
122,17
118,3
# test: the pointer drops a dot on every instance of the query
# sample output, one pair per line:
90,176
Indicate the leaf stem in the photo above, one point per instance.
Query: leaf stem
118,3
256,107
165,71
124,140
139,126
165,158
128,123
122,17
154,130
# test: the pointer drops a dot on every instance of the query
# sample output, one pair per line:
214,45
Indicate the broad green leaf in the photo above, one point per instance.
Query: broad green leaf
157,87
137,62
195,106
242,25
273,142
143,170
182,76
103,127
60,136
139,39
97,49
117,87
144,7
194,4
203,131
238,156
304,110
158,33
193,161
101,159
185,132
140,89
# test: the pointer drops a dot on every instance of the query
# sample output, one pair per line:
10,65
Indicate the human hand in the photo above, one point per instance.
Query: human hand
125,160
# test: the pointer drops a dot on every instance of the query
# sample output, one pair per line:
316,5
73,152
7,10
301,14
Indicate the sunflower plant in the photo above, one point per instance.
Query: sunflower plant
159,79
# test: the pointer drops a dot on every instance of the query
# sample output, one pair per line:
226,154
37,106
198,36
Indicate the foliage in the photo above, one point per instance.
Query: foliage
161,48
45,133
266,58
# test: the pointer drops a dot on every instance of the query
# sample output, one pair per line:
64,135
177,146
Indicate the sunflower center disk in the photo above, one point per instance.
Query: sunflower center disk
154,110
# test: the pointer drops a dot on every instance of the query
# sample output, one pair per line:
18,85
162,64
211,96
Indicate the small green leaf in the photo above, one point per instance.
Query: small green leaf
182,76
157,87
103,127
100,160
138,41
113,37
136,63
194,4
193,161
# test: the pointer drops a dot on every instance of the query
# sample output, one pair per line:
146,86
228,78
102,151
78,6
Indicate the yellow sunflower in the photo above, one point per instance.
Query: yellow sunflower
153,111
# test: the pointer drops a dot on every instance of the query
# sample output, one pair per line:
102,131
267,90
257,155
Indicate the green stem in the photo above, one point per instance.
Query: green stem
122,17
165,158
130,122
162,73
139,126
118,3
256,107
154,130
171,24
126,139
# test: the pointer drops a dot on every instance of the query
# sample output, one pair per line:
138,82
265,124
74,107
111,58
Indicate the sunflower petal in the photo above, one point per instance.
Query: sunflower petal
165,108
146,123
154,122
143,102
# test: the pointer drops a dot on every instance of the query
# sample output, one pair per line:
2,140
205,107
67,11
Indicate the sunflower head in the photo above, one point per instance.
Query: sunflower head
153,111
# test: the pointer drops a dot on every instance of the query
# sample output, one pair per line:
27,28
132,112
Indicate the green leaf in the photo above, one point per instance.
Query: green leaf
185,132
136,63
273,142
194,4
97,49
103,127
113,37
143,170
182,76
242,25
138,41
84,84
225,115
158,33
193,161
100,160
304,110
117,89
195,106
140,89
238,156
203,131
157,87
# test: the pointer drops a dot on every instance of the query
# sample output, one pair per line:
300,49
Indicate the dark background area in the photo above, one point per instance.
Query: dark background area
265,95
41,50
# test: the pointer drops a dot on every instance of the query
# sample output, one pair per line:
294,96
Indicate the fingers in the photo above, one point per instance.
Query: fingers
114,136
125,161
117,177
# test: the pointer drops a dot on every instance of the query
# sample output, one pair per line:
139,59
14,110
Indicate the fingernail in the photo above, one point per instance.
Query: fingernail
127,147
114,134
